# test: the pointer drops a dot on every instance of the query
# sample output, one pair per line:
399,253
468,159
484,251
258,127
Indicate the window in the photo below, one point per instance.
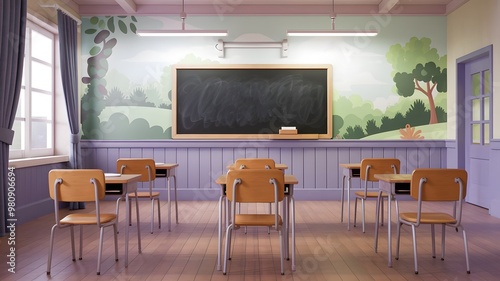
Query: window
34,122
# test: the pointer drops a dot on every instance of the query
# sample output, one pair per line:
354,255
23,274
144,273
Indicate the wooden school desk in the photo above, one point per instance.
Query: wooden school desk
167,170
352,170
392,185
122,185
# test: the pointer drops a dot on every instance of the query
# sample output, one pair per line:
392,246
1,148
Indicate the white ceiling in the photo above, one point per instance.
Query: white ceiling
264,7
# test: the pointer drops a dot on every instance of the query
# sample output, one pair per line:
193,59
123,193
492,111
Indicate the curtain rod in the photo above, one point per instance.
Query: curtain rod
57,7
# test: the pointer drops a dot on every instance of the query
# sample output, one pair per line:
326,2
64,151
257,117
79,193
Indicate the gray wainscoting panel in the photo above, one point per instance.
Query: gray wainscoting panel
315,163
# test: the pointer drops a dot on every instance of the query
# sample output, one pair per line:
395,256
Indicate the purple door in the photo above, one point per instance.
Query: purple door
478,127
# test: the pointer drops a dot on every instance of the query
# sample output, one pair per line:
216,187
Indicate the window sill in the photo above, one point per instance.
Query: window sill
37,161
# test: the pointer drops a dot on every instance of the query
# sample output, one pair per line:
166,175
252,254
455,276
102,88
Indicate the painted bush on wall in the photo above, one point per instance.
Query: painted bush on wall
127,87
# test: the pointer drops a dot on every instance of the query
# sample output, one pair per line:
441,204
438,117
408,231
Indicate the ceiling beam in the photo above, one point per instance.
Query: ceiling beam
386,5
262,10
453,5
128,5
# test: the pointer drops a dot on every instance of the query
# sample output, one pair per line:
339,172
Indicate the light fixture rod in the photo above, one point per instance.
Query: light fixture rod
332,32
182,32
221,46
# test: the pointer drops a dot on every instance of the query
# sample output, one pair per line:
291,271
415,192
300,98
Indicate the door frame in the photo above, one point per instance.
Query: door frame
461,102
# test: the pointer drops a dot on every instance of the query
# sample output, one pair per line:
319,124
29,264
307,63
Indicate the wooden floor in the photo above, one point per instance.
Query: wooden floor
326,250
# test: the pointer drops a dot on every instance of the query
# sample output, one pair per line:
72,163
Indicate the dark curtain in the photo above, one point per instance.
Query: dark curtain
69,74
13,29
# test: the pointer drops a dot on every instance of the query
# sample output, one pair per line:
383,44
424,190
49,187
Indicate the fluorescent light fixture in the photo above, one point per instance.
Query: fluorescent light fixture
180,33
332,32
326,33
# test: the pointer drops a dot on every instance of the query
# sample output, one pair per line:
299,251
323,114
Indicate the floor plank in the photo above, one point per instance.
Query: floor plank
325,249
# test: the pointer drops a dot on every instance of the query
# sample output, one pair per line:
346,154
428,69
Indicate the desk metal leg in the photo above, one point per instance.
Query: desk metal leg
219,241
292,217
348,202
138,224
377,215
129,223
389,229
169,202
175,199
342,200
286,211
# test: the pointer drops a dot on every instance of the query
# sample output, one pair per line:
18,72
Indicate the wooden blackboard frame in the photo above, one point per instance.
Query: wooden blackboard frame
322,67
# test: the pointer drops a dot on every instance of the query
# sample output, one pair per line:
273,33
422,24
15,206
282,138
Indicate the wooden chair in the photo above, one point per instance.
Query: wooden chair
255,186
445,185
84,185
370,167
146,168
255,163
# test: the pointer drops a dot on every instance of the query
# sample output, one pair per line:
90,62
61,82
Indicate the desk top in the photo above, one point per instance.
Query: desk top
166,166
123,178
394,178
289,179
351,165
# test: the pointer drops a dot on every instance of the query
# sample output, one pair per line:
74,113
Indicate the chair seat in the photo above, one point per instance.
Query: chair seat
144,194
429,218
256,220
369,194
88,219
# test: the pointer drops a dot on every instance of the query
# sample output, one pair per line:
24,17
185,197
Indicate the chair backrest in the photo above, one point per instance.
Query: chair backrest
254,163
76,185
255,185
438,184
143,166
372,166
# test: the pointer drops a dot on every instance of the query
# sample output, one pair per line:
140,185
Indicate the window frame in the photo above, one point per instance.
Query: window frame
28,151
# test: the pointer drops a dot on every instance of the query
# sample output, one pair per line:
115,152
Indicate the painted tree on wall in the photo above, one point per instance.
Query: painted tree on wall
418,68
97,67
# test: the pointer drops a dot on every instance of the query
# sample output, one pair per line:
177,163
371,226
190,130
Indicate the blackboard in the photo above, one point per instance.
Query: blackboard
251,101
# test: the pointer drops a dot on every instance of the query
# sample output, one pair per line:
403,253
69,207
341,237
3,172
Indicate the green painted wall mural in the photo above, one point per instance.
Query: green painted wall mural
418,70
97,97
390,87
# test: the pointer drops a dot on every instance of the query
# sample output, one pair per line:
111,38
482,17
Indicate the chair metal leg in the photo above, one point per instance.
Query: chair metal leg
118,210
130,210
99,253
81,243
226,251
398,241
363,214
115,232
159,213
281,236
51,248
414,234
72,231
355,210
466,250
443,242
382,209
433,241
152,214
